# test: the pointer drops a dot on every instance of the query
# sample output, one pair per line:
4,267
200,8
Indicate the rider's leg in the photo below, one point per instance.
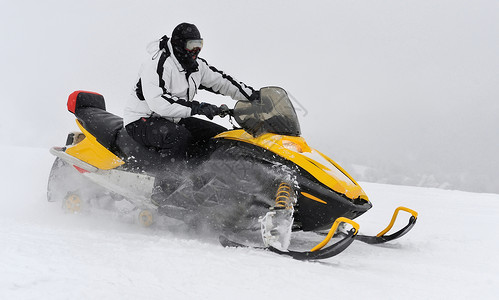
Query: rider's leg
168,138
201,131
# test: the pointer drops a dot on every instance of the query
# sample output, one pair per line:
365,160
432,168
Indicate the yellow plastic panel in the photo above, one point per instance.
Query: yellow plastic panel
92,152
296,150
313,198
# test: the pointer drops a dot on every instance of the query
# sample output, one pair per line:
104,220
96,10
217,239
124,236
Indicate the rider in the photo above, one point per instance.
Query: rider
158,114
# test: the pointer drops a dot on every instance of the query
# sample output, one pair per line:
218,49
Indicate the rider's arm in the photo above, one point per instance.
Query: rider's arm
218,82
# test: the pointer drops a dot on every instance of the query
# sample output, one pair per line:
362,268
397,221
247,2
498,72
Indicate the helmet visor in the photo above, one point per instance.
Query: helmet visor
191,45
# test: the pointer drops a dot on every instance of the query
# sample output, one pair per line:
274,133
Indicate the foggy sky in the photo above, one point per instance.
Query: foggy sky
404,87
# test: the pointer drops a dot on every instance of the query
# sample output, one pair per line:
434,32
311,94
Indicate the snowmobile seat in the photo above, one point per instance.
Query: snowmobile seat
90,109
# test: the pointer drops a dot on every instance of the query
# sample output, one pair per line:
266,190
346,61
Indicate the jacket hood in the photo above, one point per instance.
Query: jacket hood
153,48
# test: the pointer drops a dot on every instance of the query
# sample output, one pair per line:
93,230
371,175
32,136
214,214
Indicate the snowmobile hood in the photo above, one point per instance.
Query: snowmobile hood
295,149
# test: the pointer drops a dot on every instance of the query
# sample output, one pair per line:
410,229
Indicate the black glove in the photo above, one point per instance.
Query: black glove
255,96
205,109
224,110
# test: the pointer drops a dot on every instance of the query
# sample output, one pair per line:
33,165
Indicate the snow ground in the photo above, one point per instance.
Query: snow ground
46,254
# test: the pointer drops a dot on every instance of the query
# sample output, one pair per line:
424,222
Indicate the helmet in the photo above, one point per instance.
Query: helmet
187,43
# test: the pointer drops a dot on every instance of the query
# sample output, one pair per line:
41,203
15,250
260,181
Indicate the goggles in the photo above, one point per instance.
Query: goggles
191,45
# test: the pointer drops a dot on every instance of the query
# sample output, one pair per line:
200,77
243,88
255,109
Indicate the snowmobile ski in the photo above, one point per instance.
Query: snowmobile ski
316,253
382,238
327,252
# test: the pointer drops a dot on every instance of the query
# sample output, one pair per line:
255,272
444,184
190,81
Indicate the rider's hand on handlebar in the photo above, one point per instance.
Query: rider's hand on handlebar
205,109
255,96
224,110
209,110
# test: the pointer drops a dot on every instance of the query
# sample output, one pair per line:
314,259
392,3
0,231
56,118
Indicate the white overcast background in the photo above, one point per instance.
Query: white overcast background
402,92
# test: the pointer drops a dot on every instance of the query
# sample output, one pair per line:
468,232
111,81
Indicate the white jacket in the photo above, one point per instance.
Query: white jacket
164,89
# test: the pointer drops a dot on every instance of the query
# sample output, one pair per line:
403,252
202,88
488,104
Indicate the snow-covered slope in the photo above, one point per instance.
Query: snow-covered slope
45,254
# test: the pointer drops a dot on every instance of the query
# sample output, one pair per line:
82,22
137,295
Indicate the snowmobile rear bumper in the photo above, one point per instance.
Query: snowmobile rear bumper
60,152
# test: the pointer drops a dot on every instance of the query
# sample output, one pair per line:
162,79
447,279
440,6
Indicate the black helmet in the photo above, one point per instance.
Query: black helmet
187,43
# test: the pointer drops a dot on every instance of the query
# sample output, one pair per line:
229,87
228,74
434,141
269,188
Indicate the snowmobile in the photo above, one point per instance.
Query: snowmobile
257,184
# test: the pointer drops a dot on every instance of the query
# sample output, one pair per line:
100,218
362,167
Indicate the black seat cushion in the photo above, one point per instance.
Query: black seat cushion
81,99
103,125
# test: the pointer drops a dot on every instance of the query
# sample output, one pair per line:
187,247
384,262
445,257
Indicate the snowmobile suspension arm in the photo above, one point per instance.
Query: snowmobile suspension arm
333,230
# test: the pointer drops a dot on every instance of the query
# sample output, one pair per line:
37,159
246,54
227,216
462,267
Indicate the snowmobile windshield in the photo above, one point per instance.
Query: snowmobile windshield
272,113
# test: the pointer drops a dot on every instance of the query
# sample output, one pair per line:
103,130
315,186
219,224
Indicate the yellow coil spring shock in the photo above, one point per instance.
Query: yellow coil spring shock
283,198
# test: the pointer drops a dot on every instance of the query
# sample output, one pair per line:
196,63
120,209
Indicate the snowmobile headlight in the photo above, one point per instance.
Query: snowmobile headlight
292,146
